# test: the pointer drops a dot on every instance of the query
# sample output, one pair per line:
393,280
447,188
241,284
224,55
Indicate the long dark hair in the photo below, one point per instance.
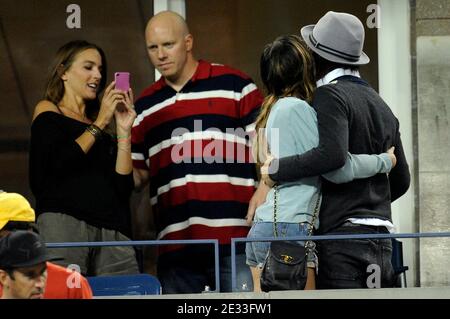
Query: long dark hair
63,60
287,69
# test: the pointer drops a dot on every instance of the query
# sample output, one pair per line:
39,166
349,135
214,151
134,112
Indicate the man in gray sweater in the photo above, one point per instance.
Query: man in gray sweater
351,117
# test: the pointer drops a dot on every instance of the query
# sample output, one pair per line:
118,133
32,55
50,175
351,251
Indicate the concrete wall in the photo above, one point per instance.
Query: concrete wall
432,55
413,48
394,63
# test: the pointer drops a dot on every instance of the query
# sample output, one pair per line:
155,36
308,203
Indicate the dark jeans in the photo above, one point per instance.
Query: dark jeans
350,263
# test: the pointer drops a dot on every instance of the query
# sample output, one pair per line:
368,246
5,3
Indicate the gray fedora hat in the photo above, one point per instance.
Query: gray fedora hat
337,37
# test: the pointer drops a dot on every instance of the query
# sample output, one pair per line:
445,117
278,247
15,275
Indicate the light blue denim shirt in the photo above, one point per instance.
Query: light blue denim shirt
292,129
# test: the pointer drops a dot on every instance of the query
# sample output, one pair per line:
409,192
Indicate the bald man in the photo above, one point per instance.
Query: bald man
191,141
169,45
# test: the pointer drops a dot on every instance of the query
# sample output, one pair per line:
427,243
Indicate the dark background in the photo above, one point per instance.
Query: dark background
231,32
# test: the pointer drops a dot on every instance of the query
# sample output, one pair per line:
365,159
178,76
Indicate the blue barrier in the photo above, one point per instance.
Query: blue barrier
215,242
235,241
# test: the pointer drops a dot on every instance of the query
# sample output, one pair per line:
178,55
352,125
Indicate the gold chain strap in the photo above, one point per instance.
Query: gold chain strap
315,214
275,209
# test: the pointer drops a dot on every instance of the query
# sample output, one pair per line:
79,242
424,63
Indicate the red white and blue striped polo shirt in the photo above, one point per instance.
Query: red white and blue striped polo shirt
195,145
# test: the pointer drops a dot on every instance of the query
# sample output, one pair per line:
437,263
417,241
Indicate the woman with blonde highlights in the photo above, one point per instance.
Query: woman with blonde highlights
287,125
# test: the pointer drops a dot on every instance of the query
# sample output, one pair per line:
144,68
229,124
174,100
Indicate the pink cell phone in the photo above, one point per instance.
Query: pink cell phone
122,80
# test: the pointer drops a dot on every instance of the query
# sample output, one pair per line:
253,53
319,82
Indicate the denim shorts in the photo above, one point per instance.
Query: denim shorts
257,251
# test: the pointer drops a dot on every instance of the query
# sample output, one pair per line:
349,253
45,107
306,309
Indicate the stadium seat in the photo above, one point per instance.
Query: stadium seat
122,285
397,262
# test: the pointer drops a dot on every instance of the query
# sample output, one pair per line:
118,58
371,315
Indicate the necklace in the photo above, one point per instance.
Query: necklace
75,115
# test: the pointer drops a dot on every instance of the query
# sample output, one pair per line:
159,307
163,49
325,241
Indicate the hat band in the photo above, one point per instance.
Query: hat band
341,54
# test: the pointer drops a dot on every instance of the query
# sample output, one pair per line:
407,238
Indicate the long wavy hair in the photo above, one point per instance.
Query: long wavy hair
287,69
63,60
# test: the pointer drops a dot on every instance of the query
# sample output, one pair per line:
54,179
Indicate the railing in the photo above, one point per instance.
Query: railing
215,242
235,241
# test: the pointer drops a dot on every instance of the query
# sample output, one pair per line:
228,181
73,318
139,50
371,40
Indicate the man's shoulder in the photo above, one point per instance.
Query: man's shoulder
151,96
346,84
292,109
338,89
57,283
334,85
57,270
153,88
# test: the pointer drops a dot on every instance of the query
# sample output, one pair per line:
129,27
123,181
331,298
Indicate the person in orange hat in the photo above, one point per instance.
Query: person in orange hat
16,214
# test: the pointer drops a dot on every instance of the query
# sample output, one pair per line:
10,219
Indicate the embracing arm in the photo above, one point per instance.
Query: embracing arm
362,166
330,154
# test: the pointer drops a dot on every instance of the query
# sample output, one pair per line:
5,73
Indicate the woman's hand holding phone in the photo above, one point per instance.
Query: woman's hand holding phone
122,80
118,102
111,99
125,114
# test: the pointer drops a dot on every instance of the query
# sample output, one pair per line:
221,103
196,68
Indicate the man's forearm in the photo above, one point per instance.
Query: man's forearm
312,163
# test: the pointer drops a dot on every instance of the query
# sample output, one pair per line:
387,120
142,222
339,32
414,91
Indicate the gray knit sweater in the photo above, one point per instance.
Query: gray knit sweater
351,117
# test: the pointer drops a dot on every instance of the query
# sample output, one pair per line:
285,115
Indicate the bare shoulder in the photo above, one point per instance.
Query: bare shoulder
44,106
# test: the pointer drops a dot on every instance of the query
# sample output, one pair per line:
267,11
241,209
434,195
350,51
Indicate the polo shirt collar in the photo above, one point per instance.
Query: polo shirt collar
203,71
